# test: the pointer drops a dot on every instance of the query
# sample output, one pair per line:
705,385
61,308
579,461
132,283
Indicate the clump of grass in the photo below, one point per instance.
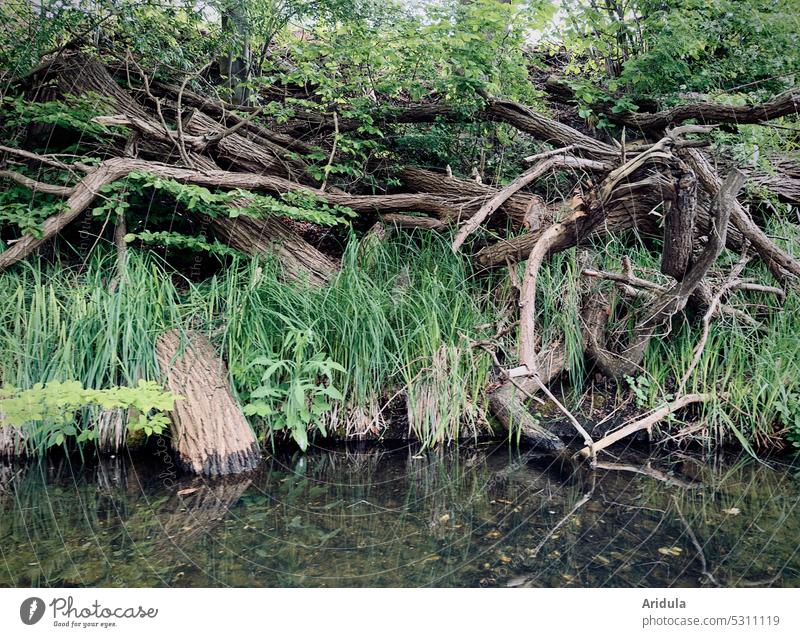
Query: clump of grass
399,318
67,326
753,368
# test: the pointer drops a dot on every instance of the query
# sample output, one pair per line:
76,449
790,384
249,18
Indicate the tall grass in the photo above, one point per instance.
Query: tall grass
68,326
400,318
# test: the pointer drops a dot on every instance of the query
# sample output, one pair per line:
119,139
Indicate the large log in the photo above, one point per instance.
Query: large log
300,261
113,169
210,435
521,208
507,404
237,151
628,208
786,103
779,261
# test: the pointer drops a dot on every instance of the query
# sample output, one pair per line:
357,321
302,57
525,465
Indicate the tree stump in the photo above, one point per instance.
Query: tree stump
210,435
679,225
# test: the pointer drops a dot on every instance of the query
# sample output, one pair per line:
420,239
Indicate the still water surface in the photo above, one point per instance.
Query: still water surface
480,516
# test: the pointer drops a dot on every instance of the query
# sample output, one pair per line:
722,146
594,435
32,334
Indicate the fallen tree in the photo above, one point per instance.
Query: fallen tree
664,189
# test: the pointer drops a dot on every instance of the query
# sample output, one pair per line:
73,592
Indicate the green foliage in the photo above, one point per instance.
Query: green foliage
755,369
659,48
296,387
73,113
788,410
24,211
183,242
57,325
51,408
640,387
453,51
164,35
299,205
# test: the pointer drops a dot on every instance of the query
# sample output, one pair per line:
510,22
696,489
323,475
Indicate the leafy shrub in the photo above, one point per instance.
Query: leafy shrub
296,387
50,409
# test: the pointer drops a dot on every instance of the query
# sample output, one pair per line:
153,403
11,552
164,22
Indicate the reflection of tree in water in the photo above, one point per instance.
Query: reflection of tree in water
637,530
351,517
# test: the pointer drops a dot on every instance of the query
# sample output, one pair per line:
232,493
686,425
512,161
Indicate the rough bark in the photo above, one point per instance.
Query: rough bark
226,113
530,175
628,208
300,261
679,226
209,434
507,404
625,359
12,440
113,169
239,152
786,103
778,260
522,208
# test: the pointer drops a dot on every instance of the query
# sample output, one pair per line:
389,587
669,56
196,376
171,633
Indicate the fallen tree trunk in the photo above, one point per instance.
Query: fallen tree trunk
226,113
523,209
626,360
237,151
786,103
679,223
209,434
507,404
300,261
111,170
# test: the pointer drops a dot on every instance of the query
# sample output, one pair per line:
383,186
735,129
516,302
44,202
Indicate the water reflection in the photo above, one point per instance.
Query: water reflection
480,516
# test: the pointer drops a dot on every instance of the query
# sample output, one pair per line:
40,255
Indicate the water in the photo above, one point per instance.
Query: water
480,516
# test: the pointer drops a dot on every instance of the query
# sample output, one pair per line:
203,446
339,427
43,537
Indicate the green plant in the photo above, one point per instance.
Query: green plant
49,409
296,387
788,411
640,386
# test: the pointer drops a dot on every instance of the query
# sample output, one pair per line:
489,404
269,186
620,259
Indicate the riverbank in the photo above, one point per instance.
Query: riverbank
407,333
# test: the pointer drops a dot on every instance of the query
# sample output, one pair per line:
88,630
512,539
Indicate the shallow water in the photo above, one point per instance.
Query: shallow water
481,516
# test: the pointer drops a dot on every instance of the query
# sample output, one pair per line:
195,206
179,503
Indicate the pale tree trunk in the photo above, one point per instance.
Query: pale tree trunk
210,435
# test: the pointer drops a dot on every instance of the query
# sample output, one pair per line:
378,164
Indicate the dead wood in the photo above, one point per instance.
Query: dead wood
786,103
114,169
209,434
530,175
646,423
780,262
299,260
12,440
625,360
232,150
522,208
679,223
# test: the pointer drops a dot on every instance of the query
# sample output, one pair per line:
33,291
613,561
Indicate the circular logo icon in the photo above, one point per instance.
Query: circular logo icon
31,610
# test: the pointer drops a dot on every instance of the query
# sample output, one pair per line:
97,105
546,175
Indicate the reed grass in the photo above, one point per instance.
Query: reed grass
402,318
